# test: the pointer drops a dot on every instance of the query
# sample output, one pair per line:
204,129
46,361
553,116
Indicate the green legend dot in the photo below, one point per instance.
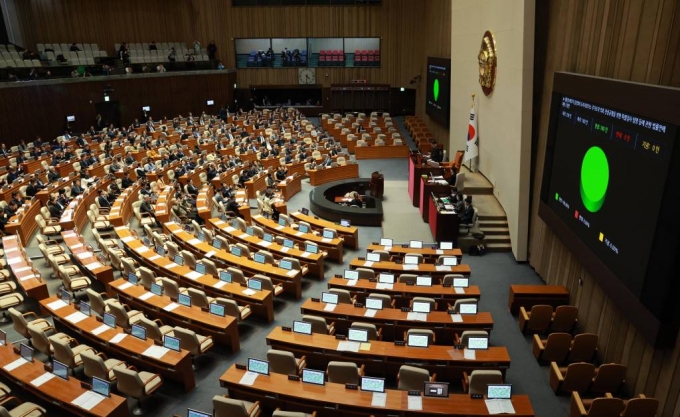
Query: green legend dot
594,179
435,89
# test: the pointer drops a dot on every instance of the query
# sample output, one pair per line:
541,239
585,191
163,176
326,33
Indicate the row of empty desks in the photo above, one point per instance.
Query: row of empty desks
83,255
331,399
59,392
313,261
172,365
395,322
349,234
427,253
223,330
261,302
27,276
385,358
403,293
291,280
432,270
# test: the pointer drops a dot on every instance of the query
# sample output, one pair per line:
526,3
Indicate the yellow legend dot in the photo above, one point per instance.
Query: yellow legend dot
601,237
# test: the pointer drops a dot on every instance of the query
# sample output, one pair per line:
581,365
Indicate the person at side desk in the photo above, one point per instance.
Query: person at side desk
468,211
7,214
126,181
232,205
76,189
55,208
53,175
16,199
12,175
102,201
191,188
32,188
459,202
146,207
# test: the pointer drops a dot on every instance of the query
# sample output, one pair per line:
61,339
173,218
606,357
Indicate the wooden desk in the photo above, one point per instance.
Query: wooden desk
162,209
32,166
173,365
88,262
257,183
75,214
121,209
341,172
57,392
291,280
313,261
204,203
403,293
332,246
24,221
223,330
395,322
96,170
379,152
275,390
350,235
27,276
435,271
426,188
415,171
261,302
384,358
428,253
297,168
528,296
444,224
290,187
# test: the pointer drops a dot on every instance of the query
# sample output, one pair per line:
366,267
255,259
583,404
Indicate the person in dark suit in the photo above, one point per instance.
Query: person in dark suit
12,175
146,207
191,188
4,151
126,181
232,206
437,154
7,214
32,189
54,207
468,211
102,200
52,175
16,199
76,189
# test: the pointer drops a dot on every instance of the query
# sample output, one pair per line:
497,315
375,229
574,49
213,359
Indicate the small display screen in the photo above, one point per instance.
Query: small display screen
385,242
418,340
302,327
216,243
288,243
138,331
436,389
421,307
259,258
357,335
329,298
109,320
411,260
450,261
328,234
373,257
101,386
184,299
217,309
345,223
200,268
286,264
374,303
132,278
26,352
258,366
60,369
225,276
85,308
478,343
446,245
461,282
415,244
255,284
424,281
171,343
178,260
467,308
303,228
311,248
268,238
384,278
499,392
156,289
196,413
236,251
304,211
312,376
351,275
372,384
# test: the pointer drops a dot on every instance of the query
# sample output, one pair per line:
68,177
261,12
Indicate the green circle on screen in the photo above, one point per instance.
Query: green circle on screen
594,179
435,89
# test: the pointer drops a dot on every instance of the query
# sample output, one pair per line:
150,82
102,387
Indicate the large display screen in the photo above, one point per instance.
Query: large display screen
438,90
607,180
610,192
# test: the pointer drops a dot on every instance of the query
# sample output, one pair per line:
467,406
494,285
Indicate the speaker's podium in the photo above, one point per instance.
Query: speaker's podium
377,185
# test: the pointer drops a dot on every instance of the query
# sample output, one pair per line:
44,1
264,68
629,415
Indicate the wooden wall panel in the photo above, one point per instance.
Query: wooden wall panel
628,40
29,110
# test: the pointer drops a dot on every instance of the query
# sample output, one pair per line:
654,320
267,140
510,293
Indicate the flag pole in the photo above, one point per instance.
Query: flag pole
473,160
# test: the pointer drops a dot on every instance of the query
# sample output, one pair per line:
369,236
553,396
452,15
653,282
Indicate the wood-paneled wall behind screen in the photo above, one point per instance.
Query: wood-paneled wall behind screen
32,110
409,31
627,40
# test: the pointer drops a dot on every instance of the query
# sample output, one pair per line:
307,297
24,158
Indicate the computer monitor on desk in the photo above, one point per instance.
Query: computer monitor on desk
312,376
385,242
302,327
373,257
411,260
101,386
384,278
372,384
196,413
258,366
499,391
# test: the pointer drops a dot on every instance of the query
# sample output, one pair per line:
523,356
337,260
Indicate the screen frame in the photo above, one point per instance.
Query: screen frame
307,324
658,329
361,383
305,370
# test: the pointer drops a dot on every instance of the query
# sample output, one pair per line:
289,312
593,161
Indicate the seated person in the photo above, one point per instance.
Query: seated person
53,175
468,211
7,214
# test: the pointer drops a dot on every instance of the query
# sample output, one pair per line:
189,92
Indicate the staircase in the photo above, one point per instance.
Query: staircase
496,233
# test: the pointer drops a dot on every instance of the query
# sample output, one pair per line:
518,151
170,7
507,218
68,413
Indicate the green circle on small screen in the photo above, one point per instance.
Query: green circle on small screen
435,89
594,179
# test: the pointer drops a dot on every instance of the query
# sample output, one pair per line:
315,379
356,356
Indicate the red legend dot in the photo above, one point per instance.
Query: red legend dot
576,214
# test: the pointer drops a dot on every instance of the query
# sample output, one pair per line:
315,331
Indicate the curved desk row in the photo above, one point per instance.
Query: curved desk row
23,221
314,261
260,301
27,276
434,271
172,365
57,391
75,214
332,246
290,279
349,234
403,293
380,152
340,172
427,253
276,390
384,358
223,330
395,322
83,255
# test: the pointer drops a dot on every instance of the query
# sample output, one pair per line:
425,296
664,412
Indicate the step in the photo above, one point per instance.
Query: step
478,190
497,239
498,247
495,230
493,223
483,217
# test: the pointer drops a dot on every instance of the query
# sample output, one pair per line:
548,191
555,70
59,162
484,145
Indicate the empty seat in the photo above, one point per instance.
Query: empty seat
583,348
223,406
96,364
319,324
411,378
640,407
597,407
138,385
575,377
476,382
553,349
564,319
609,378
282,362
537,320
344,372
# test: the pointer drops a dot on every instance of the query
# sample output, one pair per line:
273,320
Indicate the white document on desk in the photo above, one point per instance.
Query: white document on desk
117,338
305,254
153,258
93,266
219,284
88,400
171,306
193,275
384,286
76,246
329,307
171,265
326,240
264,243
410,267
248,378
299,233
13,261
194,241
124,286
345,346
284,249
416,316
76,317
142,249
443,268
101,329
248,291
456,318
127,239
156,352
459,290
370,312
146,296
210,254
27,277
469,354
499,406
439,251
22,269
14,364
415,402
368,264
351,283
56,305
84,255
292,272
379,399
42,379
